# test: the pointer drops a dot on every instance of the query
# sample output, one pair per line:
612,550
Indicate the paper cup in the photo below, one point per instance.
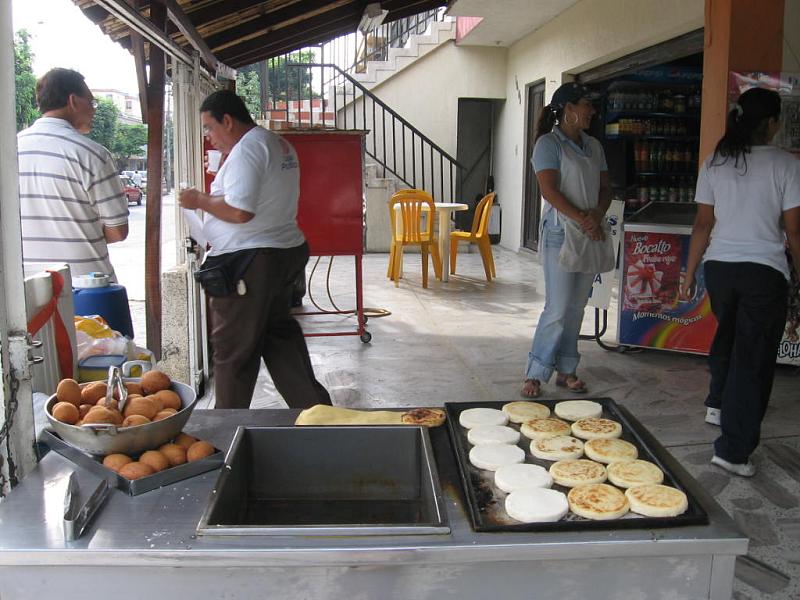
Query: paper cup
214,158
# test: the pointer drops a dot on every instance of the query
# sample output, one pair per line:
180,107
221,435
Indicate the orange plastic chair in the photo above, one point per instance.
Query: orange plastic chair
479,234
412,205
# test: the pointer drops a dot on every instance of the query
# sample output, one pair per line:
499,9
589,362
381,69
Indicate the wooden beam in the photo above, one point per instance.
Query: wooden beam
188,30
137,46
155,133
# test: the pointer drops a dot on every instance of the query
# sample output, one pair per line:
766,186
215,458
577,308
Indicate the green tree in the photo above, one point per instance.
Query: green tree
290,82
24,80
104,124
249,88
128,141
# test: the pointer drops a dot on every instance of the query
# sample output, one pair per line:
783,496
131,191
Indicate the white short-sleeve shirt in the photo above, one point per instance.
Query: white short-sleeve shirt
261,175
748,205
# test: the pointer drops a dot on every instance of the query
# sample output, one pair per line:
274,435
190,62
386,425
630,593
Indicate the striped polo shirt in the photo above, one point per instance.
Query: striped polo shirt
69,189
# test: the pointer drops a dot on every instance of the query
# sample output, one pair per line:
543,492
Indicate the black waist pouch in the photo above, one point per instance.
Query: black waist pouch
219,274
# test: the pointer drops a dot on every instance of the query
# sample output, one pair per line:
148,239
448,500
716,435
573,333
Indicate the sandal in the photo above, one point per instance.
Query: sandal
572,383
531,388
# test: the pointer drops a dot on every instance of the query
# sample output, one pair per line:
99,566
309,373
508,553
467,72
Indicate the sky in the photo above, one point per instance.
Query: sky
63,37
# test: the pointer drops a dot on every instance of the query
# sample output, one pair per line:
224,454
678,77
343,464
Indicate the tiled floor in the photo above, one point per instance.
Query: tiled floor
467,340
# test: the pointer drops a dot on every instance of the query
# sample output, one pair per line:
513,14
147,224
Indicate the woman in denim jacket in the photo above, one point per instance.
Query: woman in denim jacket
572,174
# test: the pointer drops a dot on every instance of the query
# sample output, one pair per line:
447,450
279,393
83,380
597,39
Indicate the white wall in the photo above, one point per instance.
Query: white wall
589,34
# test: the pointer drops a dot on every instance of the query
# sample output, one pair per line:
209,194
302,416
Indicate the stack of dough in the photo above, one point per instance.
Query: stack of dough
595,428
493,456
657,500
610,450
570,473
520,411
522,476
597,501
631,473
475,417
538,429
536,505
492,434
575,410
563,447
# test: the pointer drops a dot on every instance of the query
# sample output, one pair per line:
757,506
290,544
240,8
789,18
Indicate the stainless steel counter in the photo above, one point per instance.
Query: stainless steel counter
146,546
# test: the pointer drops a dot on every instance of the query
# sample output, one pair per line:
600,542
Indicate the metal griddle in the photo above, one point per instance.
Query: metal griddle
485,501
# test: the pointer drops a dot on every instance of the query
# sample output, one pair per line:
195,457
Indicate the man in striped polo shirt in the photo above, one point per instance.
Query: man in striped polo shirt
71,199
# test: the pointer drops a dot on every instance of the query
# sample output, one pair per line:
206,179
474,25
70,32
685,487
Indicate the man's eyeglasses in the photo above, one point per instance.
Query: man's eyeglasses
92,101
206,129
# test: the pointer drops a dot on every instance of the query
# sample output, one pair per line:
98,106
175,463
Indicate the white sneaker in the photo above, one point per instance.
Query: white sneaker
747,469
714,416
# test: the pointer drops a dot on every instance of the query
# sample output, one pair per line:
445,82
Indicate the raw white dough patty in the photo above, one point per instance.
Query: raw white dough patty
522,476
475,417
574,410
493,456
536,505
492,434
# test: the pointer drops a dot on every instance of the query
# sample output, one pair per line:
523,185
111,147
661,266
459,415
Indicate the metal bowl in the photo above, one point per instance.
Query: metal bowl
108,439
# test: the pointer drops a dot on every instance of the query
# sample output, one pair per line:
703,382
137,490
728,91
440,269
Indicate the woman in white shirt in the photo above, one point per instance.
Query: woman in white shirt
744,190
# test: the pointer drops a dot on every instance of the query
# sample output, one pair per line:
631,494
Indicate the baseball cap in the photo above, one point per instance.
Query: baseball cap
571,92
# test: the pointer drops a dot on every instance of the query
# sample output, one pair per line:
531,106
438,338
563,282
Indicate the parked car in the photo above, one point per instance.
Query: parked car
133,193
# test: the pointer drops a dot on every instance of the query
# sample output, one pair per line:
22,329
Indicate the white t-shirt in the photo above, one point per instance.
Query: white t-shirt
748,205
261,175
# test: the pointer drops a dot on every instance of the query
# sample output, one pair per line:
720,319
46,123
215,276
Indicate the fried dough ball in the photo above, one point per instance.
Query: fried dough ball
175,454
155,381
140,406
199,450
93,392
68,390
100,414
154,398
66,412
136,470
84,408
134,388
155,459
112,404
185,440
116,461
165,414
135,420
169,399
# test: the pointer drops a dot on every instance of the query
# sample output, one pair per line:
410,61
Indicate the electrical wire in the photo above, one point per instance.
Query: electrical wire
372,312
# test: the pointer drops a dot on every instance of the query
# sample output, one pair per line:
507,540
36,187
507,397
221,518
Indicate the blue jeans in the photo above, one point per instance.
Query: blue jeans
555,342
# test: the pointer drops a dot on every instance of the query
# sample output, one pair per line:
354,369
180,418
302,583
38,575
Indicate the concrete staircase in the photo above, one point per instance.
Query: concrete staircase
416,47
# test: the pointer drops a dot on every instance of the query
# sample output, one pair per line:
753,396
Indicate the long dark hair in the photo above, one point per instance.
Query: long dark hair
747,125
548,117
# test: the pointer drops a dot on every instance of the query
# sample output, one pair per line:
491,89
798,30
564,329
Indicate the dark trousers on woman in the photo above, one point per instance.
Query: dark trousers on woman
749,302
257,326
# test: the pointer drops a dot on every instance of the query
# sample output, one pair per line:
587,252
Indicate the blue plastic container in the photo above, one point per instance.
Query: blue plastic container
94,295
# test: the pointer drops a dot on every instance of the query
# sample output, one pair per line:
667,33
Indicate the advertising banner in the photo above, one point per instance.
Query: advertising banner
651,312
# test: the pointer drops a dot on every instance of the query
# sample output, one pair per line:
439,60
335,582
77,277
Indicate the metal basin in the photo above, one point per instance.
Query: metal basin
327,481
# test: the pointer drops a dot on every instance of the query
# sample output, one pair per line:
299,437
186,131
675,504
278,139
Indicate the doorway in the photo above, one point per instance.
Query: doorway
474,151
533,204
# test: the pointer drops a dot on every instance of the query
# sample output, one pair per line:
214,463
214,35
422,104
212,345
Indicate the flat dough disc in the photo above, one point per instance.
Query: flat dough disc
521,411
598,501
536,505
657,500
537,429
631,473
610,450
475,417
492,434
493,456
574,410
570,473
594,428
522,476
562,447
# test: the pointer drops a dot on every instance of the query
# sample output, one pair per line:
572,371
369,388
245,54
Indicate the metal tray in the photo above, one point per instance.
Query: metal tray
486,501
137,486
351,480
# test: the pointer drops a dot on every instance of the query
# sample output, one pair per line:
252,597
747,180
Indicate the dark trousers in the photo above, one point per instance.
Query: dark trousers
257,326
749,302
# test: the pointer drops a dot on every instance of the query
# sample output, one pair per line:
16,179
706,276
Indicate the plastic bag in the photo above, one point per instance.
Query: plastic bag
94,337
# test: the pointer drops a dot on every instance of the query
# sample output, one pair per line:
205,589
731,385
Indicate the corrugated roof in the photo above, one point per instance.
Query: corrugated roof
242,32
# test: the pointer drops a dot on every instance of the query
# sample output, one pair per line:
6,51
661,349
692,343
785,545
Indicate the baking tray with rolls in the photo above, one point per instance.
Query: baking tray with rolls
486,502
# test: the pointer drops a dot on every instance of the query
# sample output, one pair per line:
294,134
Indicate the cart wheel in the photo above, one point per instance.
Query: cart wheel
366,318
366,337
